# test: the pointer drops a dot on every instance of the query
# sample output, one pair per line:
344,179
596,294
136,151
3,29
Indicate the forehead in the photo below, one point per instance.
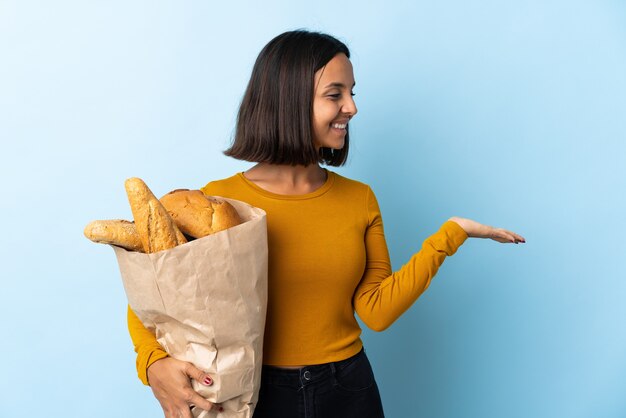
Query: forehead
337,70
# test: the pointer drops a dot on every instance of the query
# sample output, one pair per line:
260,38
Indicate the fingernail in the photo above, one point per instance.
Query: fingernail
208,381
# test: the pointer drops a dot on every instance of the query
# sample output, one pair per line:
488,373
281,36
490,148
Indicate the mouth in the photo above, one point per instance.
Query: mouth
339,127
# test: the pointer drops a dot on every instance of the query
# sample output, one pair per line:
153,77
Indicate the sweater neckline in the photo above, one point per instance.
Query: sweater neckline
330,180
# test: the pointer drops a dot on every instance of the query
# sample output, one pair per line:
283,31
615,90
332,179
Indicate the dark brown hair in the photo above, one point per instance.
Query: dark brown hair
274,123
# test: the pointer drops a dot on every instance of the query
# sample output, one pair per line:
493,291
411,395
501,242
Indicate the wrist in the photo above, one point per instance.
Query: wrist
465,224
152,363
459,221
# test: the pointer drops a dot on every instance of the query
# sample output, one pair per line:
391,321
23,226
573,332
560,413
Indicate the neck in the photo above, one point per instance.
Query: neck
288,174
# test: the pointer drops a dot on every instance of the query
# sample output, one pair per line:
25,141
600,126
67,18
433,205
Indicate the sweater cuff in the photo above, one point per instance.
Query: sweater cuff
146,360
453,236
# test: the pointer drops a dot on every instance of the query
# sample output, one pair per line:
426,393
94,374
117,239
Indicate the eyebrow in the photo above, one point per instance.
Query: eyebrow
338,85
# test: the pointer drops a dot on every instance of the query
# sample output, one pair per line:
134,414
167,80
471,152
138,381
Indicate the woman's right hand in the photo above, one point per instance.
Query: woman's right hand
170,382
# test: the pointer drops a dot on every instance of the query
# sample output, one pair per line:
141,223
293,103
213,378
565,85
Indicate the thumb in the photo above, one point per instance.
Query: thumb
198,375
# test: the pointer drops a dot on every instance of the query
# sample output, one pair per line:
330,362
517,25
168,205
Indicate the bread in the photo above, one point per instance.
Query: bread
162,224
156,229
115,232
198,215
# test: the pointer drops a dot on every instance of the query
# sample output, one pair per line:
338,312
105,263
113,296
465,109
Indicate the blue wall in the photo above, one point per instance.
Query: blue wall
507,113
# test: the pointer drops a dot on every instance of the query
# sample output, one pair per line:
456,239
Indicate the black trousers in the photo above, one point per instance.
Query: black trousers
342,389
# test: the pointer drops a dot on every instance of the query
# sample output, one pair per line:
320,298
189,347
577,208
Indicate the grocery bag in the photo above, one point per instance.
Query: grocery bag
206,302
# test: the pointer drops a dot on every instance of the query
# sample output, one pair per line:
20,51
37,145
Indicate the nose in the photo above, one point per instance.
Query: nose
349,107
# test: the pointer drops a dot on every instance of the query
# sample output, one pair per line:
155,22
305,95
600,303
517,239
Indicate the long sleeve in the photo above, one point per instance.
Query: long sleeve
146,346
382,296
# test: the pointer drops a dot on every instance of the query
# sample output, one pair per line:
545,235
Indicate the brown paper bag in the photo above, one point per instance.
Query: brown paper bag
206,301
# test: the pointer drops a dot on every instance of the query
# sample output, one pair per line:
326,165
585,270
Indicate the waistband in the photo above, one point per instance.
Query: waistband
306,375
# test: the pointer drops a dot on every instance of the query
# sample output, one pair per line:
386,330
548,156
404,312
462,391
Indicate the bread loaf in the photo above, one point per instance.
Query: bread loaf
198,215
115,232
155,227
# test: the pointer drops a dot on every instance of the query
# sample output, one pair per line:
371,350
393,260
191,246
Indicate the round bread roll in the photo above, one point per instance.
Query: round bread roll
198,215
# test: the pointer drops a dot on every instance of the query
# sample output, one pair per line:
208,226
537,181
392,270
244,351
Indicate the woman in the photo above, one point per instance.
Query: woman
327,252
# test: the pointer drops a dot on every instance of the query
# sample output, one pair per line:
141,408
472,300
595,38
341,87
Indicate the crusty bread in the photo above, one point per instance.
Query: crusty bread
198,215
116,232
156,229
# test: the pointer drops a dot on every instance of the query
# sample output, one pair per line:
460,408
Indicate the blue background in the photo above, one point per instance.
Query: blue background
508,113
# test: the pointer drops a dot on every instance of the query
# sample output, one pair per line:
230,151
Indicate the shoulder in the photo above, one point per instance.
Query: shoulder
352,185
359,194
354,189
217,187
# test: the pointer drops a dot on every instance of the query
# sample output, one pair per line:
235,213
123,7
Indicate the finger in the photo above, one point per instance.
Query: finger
199,402
198,375
217,406
500,235
504,237
516,236
512,237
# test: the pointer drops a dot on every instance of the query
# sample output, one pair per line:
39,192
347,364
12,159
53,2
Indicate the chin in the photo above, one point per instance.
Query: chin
336,145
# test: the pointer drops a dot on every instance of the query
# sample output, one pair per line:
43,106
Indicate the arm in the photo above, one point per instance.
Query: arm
146,346
169,377
382,296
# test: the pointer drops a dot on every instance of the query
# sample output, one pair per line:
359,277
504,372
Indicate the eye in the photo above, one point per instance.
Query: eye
336,96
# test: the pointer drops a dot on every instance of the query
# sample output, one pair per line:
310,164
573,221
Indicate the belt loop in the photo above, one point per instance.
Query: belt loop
333,370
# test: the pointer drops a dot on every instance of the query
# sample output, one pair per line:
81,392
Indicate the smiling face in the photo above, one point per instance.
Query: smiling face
333,105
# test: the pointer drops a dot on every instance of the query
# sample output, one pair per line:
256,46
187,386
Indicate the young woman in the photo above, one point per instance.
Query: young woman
327,252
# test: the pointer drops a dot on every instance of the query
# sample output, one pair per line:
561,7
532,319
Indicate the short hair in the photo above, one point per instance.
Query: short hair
274,122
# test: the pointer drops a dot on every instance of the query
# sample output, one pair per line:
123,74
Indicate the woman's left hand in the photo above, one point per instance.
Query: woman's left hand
477,230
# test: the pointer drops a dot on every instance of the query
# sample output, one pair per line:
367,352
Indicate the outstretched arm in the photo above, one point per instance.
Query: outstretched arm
383,296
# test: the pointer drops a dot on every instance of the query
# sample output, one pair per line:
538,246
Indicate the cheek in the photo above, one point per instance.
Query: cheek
320,121
325,116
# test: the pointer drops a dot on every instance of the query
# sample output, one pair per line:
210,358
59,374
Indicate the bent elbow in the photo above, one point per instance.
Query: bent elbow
377,324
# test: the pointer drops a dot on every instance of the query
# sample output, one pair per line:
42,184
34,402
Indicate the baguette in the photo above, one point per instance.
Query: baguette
154,226
198,215
115,232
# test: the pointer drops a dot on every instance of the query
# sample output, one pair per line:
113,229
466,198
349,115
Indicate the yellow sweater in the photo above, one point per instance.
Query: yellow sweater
327,259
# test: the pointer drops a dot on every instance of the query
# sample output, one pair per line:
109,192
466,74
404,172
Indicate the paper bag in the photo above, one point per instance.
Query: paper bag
206,301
